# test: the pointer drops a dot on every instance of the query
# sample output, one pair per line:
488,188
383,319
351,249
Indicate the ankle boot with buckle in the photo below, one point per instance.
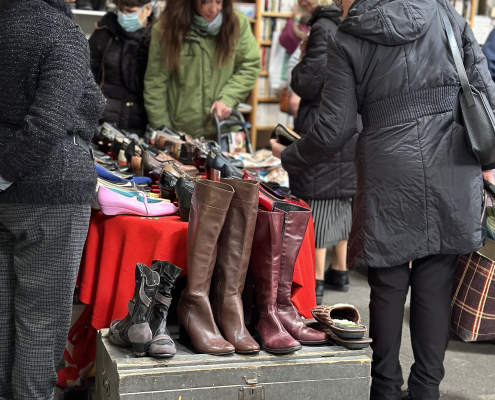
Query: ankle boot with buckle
265,265
162,345
209,205
295,224
134,330
234,249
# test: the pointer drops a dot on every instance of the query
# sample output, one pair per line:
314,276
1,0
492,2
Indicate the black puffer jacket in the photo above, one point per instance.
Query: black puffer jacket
47,94
419,189
337,178
118,61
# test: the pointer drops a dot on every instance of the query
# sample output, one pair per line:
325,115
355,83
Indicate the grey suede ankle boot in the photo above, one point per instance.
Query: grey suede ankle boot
134,330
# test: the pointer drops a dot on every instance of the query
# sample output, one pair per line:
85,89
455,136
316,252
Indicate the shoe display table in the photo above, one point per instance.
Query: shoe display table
116,244
311,373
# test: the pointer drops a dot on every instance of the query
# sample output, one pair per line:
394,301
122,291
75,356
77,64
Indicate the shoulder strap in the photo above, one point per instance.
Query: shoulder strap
102,62
466,88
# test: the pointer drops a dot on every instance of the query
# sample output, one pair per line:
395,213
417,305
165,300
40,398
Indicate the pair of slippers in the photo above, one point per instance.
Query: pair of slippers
342,324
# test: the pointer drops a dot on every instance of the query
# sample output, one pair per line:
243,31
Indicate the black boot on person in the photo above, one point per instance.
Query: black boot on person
337,280
320,291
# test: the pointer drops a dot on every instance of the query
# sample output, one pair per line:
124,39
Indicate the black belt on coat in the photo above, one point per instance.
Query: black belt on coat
76,139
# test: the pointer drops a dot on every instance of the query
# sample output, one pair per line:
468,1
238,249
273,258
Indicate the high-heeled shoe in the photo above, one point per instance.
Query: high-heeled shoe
216,160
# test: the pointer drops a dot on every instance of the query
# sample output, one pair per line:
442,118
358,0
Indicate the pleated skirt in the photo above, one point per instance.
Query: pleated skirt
332,220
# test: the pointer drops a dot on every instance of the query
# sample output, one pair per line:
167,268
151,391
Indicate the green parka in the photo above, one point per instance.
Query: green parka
182,99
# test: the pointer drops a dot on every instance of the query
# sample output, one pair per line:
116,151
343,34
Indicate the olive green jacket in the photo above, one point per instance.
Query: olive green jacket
182,99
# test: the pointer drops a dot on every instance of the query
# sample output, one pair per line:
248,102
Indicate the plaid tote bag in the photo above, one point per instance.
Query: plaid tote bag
473,304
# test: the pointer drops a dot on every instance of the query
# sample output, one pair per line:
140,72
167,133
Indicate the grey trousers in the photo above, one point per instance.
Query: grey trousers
40,252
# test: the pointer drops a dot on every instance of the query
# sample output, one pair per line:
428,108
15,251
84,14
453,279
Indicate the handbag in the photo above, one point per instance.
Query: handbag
284,100
473,302
479,121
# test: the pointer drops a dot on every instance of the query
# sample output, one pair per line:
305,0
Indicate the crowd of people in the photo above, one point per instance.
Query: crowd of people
383,160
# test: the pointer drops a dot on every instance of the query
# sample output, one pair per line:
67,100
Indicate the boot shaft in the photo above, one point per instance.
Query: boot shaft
236,239
169,273
265,260
209,206
147,282
295,225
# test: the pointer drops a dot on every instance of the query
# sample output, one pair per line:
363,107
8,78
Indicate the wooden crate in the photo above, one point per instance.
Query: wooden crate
325,372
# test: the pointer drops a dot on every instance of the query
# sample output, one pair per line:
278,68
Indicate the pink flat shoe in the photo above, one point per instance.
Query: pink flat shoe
116,202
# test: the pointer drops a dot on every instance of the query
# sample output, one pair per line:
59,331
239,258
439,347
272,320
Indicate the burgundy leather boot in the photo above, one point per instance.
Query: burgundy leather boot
265,265
209,205
296,220
234,249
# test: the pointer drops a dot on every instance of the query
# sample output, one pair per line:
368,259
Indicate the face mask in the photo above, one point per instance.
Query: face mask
130,22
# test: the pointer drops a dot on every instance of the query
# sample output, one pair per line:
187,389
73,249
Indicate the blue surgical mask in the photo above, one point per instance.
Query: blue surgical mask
130,22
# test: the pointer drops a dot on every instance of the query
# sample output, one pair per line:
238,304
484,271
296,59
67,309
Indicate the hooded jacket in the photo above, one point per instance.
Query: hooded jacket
118,62
47,94
419,188
337,178
182,99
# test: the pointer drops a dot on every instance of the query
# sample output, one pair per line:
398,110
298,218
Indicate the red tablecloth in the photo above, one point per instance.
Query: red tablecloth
116,244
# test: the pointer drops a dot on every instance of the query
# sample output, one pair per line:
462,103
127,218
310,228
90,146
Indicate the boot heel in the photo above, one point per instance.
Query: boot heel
184,337
140,349
184,215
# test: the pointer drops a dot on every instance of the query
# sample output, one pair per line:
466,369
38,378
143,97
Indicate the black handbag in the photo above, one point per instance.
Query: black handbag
479,121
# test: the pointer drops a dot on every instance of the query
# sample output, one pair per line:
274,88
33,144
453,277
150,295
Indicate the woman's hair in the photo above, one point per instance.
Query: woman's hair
131,3
175,24
322,3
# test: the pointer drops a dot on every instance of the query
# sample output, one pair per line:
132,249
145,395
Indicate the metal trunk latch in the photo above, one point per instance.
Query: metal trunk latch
251,392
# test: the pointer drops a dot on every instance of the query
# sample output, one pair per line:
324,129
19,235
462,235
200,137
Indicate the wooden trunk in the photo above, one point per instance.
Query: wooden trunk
325,372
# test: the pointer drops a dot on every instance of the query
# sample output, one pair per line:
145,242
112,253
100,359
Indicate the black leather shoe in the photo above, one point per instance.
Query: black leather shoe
183,191
337,280
320,291
231,172
168,179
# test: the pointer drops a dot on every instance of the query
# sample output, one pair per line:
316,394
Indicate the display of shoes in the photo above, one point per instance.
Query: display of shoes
117,202
168,179
337,280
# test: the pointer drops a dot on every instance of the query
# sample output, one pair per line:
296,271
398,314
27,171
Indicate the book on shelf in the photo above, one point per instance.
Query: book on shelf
281,6
271,25
264,90
269,114
265,58
249,9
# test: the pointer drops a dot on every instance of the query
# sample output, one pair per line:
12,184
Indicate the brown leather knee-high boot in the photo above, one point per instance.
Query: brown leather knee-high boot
234,250
265,264
209,206
295,224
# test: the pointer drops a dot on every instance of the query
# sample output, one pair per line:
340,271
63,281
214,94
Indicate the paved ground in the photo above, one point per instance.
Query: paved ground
470,367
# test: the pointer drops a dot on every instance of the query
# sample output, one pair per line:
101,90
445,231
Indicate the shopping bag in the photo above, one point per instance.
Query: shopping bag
473,303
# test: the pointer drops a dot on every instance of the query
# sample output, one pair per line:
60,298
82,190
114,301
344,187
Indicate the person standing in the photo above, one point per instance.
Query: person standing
49,107
119,57
419,188
327,188
203,57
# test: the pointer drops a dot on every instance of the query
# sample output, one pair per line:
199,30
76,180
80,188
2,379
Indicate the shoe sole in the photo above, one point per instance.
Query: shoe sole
344,288
248,352
317,343
282,351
